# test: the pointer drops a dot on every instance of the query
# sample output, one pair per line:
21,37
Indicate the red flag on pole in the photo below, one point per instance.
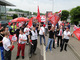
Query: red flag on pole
77,33
49,14
54,19
30,23
75,27
59,12
38,15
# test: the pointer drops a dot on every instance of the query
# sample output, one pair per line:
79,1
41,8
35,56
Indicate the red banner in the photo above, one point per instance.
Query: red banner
43,18
54,19
49,14
75,27
38,15
30,23
77,33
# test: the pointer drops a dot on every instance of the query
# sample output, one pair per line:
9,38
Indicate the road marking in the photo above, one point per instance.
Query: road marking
44,53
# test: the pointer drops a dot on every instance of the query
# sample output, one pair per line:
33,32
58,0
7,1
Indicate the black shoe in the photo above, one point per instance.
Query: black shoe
41,44
54,47
57,45
22,57
65,49
34,53
17,57
30,55
61,50
44,44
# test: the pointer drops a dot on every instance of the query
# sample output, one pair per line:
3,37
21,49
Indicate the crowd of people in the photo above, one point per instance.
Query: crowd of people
29,36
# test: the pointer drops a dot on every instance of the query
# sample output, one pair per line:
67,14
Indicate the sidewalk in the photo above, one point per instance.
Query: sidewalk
74,44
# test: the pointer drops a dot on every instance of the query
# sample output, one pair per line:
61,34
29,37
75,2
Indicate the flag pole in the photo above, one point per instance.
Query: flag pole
52,6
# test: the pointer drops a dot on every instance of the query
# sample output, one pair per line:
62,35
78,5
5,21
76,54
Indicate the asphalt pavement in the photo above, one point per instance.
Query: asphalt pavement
43,55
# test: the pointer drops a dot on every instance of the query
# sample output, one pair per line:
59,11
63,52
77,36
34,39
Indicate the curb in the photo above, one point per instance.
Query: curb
74,51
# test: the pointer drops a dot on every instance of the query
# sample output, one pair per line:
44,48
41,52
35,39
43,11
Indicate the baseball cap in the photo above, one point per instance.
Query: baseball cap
44,25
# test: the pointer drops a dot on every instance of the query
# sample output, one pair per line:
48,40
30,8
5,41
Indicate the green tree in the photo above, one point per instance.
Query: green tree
65,15
15,16
34,13
10,9
75,15
42,13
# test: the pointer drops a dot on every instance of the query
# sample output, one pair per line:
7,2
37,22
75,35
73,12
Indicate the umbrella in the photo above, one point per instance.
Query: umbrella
14,20
20,19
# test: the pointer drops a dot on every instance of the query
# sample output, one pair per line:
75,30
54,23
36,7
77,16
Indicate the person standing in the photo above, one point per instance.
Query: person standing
58,27
26,31
51,39
9,26
46,29
7,46
56,31
12,31
60,36
17,32
65,38
1,45
21,44
42,34
13,26
49,25
33,36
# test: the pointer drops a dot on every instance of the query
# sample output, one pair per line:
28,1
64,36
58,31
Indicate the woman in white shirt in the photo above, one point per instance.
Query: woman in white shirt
26,31
7,46
65,38
21,44
42,34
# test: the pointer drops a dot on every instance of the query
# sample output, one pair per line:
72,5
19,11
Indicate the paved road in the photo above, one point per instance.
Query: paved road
57,55
54,55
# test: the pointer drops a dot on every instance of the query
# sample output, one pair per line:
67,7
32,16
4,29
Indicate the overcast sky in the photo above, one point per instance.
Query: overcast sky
44,5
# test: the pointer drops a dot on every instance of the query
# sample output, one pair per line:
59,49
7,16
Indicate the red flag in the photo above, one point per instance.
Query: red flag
54,19
59,12
30,23
77,33
49,14
43,18
38,15
75,27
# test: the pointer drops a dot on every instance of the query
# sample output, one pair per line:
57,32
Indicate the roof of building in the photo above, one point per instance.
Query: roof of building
5,3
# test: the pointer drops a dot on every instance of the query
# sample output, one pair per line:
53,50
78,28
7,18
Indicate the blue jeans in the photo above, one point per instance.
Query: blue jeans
41,39
49,40
2,55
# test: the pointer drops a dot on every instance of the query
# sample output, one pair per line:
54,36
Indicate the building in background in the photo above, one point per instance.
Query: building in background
3,4
19,14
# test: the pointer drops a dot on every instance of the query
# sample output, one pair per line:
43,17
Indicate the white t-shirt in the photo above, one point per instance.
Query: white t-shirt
23,36
66,34
6,43
26,29
34,35
42,29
